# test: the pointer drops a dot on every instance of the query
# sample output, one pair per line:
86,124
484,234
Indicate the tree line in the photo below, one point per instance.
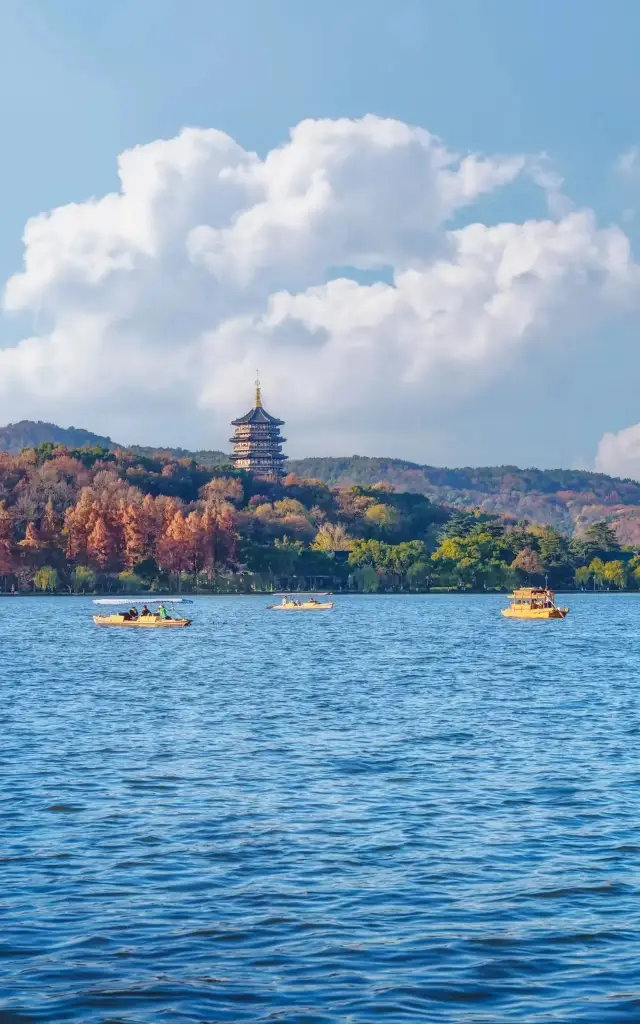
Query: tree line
94,520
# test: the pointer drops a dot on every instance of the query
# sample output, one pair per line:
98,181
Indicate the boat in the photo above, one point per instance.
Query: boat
534,603
153,620
289,604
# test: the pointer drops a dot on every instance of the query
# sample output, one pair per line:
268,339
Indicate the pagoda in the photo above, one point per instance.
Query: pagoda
257,442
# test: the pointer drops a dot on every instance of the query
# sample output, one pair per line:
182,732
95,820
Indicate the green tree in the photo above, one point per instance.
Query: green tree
614,573
367,579
633,570
460,523
596,571
451,549
419,574
400,558
46,578
582,576
83,580
374,553
599,537
130,581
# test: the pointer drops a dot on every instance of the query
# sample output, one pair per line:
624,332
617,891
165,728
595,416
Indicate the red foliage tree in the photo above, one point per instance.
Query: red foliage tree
134,532
174,546
79,522
7,553
102,546
32,547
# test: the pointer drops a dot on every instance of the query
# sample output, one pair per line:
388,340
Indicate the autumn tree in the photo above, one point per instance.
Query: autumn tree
382,517
223,489
79,521
32,547
528,562
614,574
7,560
174,546
102,546
50,525
218,526
135,531
332,537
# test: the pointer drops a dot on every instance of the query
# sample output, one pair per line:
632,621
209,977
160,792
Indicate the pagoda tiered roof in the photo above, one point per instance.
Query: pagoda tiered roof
257,415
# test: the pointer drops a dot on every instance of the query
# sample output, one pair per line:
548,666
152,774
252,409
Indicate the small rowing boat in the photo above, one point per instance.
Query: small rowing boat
289,604
146,618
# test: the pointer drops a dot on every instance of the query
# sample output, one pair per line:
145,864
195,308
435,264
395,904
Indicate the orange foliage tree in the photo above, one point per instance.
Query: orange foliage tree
7,557
102,547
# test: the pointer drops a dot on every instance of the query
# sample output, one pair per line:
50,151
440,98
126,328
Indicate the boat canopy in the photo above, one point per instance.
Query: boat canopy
143,600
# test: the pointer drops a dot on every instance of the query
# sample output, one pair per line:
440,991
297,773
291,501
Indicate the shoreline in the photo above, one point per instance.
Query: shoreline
137,598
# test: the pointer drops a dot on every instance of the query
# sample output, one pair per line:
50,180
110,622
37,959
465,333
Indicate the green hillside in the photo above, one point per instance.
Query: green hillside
564,498
29,434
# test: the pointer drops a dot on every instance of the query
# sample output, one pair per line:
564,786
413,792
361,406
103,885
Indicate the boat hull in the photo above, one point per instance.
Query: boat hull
535,613
301,607
143,622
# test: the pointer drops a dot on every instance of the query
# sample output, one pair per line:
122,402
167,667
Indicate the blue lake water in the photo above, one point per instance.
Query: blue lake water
408,809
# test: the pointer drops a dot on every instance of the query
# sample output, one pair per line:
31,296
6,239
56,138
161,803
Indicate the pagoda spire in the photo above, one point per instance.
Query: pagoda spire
258,391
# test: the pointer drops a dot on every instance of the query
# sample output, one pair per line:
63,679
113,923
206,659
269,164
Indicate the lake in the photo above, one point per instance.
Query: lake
407,809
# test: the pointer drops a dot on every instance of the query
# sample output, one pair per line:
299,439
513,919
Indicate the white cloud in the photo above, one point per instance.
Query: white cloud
619,454
628,163
154,305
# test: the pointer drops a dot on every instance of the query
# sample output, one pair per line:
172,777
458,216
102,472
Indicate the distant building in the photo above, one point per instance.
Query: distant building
257,443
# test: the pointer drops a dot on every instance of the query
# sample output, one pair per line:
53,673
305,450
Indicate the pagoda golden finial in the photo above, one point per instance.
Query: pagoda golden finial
258,392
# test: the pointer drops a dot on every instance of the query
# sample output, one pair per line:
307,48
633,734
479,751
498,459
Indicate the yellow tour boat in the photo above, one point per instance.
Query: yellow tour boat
146,618
288,604
534,603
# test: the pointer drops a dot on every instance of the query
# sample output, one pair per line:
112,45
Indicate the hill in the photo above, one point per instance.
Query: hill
29,434
97,519
211,459
567,499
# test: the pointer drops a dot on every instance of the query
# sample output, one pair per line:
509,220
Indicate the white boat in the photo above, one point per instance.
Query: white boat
290,604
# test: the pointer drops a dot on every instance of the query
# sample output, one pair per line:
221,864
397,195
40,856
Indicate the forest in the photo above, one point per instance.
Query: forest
568,499
95,520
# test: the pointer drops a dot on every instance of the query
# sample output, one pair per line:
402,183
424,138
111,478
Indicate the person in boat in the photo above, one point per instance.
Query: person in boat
163,613
145,611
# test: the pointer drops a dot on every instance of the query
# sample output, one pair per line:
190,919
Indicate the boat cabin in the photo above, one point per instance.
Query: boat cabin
534,597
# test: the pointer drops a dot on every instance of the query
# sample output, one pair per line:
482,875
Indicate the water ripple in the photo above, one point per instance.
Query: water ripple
410,810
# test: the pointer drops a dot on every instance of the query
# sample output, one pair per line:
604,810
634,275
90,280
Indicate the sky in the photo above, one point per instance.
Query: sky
420,221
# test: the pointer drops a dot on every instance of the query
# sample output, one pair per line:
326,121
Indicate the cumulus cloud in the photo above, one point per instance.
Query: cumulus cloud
155,304
619,453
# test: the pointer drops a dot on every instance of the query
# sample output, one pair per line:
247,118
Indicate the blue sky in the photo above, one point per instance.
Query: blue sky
81,82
